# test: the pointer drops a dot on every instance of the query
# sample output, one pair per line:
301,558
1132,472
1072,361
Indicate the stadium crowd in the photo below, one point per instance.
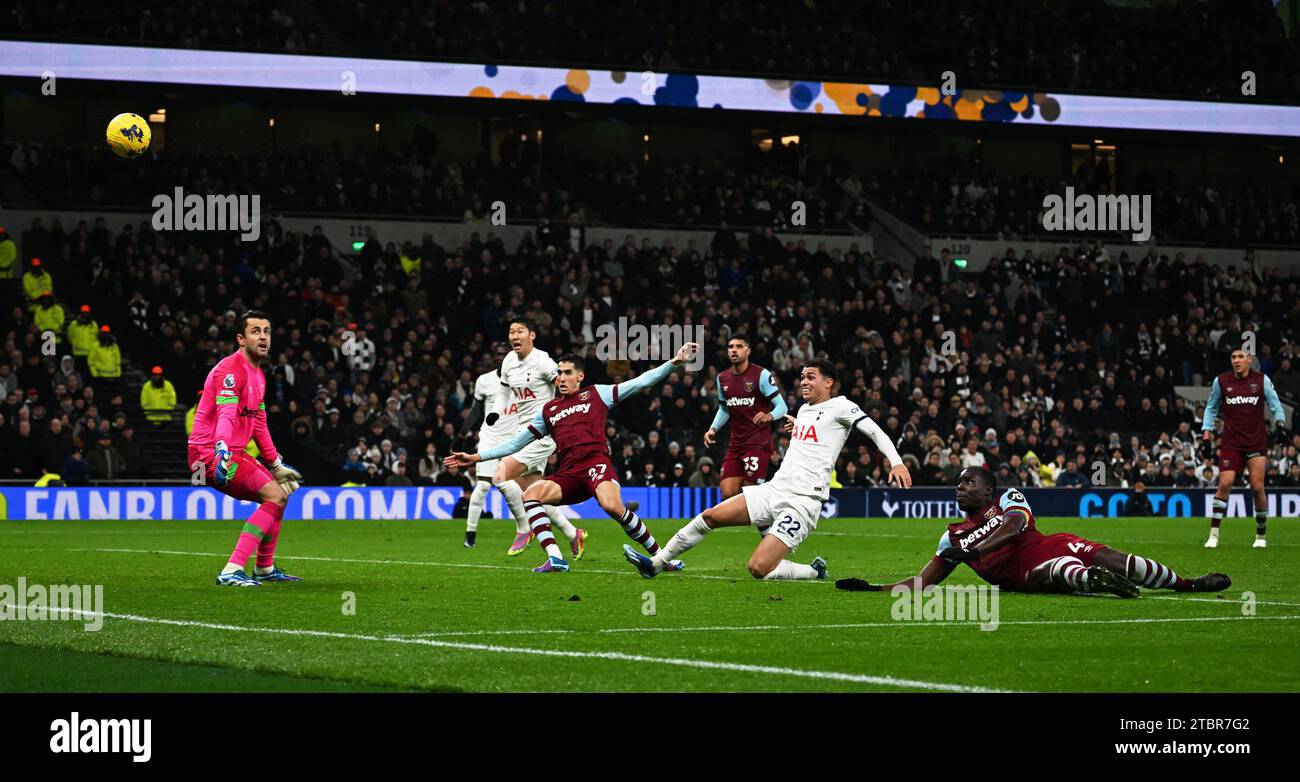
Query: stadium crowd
1038,366
414,180
959,197
966,198
1186,49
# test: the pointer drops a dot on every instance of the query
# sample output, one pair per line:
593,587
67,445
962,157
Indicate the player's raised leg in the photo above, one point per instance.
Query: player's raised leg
1256,466
728,513
609,495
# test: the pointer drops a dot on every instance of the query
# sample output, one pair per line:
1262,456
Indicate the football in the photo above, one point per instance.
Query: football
128,135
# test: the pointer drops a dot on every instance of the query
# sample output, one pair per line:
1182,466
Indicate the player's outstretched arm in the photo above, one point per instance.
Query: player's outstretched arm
534,431
1013,523
898,473
616,393
934,572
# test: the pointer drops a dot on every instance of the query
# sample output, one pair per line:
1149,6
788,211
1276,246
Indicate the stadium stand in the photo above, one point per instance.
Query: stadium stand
1195,50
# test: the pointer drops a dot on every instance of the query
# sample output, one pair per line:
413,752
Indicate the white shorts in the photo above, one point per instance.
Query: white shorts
483,471
533,456
790,517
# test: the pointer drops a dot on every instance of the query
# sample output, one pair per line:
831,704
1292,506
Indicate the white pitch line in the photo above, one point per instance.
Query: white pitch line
582,570
288,557
1227,601
842,626
857,678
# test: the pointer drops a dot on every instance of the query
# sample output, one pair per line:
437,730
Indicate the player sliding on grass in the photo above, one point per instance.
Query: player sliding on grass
230,412
576,420
1000,543
786,508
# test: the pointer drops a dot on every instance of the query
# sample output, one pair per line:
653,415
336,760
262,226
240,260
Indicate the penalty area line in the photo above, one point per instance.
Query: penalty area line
681,662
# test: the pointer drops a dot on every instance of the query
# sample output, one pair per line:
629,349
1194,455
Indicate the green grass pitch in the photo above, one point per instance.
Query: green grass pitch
431,615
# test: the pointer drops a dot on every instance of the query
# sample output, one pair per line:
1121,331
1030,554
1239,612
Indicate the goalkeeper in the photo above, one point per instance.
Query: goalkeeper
230,412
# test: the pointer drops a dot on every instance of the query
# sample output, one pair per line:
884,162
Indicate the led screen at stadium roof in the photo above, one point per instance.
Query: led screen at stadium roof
441,79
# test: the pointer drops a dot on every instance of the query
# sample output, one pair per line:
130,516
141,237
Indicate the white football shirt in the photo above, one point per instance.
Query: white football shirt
819,434
528,384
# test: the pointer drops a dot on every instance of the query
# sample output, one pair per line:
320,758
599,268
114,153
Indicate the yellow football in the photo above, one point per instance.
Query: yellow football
128,135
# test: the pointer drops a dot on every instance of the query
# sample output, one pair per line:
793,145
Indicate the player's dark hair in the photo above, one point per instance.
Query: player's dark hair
985,476
738,337
574,359
824,368
242,323
523,321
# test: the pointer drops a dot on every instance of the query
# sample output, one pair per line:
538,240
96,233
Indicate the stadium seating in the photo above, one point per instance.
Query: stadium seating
1194,50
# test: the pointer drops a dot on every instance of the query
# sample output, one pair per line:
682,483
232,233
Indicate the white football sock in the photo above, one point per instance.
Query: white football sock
263,571
786,570
558,521
230,567
515,499
476,502
687,538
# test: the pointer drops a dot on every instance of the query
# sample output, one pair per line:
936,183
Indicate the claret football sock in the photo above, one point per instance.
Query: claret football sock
1149,573
1069,574
638,531
541,527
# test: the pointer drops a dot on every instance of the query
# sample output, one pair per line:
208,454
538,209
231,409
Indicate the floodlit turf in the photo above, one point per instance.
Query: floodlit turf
431,615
